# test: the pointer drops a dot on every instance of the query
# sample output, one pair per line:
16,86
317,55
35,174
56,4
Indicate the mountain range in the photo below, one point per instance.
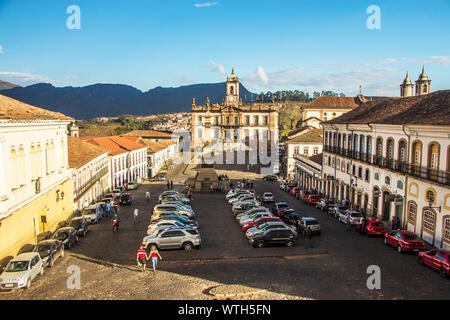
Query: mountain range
109,100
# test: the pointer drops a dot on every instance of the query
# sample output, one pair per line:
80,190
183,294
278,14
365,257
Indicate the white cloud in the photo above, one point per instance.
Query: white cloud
436,60
24,79
205,4
70,77
218,68
1,49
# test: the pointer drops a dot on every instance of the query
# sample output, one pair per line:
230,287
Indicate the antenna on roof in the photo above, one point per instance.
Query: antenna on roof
360,89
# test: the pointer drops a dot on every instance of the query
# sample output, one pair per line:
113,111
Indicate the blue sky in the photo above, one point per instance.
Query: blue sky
272,44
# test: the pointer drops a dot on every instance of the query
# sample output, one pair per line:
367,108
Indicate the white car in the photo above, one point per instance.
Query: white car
21,270
241,198
355,216
268,197
92,213
166,223
132,185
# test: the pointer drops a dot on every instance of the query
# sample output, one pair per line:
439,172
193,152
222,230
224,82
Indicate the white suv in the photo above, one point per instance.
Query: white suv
21,270
174,238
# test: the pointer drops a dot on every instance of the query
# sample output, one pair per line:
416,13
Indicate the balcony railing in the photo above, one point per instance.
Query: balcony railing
78,193
439,176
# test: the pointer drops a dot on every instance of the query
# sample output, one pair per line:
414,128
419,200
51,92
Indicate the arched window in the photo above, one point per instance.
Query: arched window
402,151
379,151
33,163
47,159
377,176
430,196
367,177
390,149
387,180
446,229
369,146
39,161
22,170
433,155
400,184
417,153
412,212
13,169
429,221
63,154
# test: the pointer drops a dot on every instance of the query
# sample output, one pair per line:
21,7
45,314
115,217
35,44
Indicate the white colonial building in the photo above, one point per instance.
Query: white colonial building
35,181
91,174
391,156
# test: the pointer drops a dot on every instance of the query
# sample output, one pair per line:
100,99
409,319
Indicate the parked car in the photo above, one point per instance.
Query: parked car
324,204
174,238
373,227
133,185
21,270
80,224
251,211
173,197
268,226
290,217
270,177
355,216
180,204
273,237
244,206
160,177
268,197
302,194
310,222
279,207
49,251
125,199
260,221
438,259
404,240
294,191
118,191
176,217
67,235
242,197
173,208
236,193
336,210
253,217
312,199
166,223
92,213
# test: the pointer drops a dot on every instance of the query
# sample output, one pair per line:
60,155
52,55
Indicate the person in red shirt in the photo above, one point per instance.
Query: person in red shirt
141,258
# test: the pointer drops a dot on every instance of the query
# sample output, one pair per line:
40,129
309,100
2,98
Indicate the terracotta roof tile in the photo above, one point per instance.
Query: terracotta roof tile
310,134
334,102
115,144
81,152
432,109
148,134
16,110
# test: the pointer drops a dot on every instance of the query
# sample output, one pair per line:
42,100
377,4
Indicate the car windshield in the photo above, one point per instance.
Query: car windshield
262,226
356,215
411,237
311,222
282,205
42,250
17,266
267,194
87,212
60,234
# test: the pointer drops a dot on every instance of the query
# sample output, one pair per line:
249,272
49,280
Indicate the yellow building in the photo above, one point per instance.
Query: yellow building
35,181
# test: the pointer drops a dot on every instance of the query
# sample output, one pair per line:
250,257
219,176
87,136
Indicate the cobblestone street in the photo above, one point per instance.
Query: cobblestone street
334,269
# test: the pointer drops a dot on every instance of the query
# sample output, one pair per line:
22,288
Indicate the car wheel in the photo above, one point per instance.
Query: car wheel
42,269
399,249
260,244
187,246
443,273
420,260
290,243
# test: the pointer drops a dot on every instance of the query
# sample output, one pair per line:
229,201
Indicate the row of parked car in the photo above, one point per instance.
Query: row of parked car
32,260
402,240
172,224
262,226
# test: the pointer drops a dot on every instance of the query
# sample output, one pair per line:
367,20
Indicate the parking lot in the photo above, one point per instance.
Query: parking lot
335,268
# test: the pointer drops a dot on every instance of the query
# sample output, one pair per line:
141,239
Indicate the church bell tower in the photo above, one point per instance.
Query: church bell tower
232,98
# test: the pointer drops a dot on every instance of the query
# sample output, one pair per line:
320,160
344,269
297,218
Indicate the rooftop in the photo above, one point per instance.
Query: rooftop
307,134
149,134
16,110
335,102
429,109
81,152
115,144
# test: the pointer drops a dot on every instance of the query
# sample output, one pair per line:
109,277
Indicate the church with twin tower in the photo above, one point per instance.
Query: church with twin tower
423,85
233,121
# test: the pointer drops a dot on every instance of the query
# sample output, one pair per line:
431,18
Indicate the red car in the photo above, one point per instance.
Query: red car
312,199
258,222
404,240
294,191
373,227
437,259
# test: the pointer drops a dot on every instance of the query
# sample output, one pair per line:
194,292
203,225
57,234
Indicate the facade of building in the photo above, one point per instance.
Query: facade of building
233,122
392,157
306,141
128,159
308,171
35,180
90,171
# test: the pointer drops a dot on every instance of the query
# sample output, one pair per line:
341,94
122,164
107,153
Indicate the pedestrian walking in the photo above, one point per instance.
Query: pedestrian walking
86,204
154,254
168,184
147,195
308,237
141,258
348,223
108,208
136,216
362,226
171,184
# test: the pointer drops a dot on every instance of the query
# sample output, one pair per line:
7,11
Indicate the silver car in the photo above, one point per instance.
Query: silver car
21,270
355,216
310,222
174,238
254,217
251,212
166,223
173,208
267,226
92,213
